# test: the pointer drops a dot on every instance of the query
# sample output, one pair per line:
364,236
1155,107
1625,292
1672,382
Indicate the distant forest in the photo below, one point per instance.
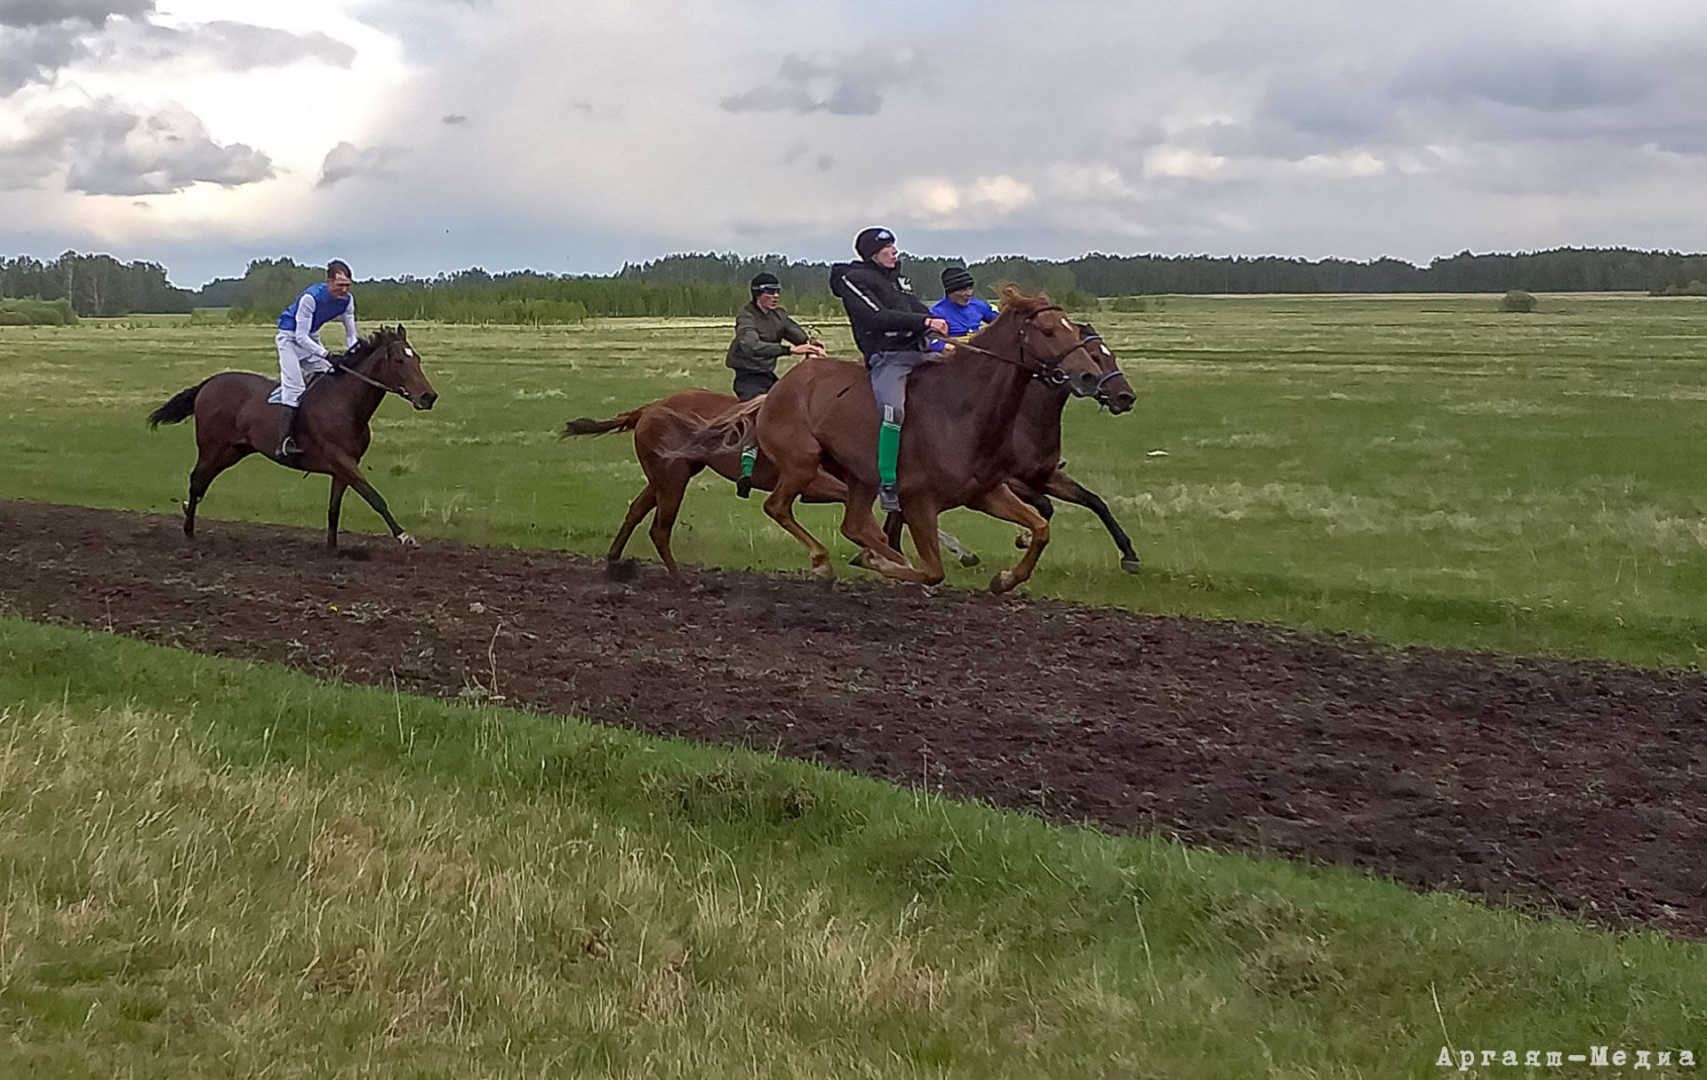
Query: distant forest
714,285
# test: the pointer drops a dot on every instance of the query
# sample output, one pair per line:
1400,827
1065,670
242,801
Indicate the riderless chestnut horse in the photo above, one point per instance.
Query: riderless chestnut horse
957,451
234,419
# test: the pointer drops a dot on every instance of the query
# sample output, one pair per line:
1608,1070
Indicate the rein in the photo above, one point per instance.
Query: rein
343,370
1048,371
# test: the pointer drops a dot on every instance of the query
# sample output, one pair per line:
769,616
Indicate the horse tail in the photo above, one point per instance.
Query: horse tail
586,425
731,429
178,407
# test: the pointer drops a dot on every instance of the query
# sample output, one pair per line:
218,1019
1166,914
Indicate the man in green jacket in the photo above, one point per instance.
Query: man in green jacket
763,332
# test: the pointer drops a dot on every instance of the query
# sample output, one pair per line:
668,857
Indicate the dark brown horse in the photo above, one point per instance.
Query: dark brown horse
661,429
956,451
234,420
1036,448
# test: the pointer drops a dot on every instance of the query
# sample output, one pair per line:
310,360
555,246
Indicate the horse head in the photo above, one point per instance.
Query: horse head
1112,388
1049,343
388,359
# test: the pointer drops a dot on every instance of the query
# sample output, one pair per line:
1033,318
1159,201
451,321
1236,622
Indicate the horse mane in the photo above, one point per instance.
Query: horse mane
363,346
1013,297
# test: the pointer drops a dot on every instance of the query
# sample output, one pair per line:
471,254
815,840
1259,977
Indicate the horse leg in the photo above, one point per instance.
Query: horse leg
1001,502
878,554
334,506
1065,487
637,511
207,467
669,502
780,506
1037,501
892,533
345,469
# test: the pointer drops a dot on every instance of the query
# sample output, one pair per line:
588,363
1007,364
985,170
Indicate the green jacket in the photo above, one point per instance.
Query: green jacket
761,337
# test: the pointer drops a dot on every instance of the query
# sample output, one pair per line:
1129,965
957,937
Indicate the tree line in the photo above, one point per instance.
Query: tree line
713,285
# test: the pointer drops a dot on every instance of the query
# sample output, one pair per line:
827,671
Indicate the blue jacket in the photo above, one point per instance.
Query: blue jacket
963,320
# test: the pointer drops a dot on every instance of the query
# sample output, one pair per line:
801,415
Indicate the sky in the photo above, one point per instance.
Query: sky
421,136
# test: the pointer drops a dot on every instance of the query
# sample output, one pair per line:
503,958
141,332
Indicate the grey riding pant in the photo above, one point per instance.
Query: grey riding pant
889,381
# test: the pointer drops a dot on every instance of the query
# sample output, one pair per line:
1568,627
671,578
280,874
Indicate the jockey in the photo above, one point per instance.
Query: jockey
299,348
963,311
889,327
763,332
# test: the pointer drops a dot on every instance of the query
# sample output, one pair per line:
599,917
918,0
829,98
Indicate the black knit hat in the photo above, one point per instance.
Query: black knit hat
870,241
956,278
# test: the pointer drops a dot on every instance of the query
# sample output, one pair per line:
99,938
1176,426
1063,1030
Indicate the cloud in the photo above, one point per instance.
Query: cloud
347,160
848,85
230,46
453,119
106,149
34,53
48,37
26,13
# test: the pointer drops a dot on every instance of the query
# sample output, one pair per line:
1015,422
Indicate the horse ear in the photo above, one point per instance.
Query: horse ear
402,333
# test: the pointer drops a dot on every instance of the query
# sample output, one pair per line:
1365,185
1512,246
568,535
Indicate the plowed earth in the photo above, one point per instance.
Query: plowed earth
1553,785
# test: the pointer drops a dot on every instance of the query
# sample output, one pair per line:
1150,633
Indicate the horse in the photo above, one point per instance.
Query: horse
660,430
234,419
1036,446
955,451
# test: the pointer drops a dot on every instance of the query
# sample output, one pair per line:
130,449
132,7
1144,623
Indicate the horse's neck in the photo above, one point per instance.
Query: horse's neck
360,399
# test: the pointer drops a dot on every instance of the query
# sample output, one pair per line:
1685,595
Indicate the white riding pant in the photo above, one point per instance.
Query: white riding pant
294,364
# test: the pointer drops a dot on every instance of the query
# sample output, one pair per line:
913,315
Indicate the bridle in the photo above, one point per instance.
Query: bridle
1102,398
370,380
1048,369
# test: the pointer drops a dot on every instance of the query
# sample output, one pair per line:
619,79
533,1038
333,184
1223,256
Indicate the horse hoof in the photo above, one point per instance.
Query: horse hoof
1002,582
824,571
1130,565
970,559
1022,541
407,541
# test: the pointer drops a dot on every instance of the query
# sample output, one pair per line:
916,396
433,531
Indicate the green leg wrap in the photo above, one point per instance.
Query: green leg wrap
748,456
888,451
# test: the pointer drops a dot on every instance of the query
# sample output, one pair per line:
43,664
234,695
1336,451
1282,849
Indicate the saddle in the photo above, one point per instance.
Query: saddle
308,382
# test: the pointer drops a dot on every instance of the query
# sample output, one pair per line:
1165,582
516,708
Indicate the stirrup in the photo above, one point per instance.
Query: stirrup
288,449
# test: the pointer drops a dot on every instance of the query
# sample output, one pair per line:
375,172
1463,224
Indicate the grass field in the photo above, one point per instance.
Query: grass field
214,868
1418,469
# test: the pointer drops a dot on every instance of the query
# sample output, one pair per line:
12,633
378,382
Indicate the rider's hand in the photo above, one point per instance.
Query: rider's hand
939,325
807,349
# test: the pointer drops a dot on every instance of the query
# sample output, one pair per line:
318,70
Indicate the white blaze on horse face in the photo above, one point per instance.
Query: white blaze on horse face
1104,349
410,353
1068,323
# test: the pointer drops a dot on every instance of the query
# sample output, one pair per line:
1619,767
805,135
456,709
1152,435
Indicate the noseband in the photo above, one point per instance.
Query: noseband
1102,398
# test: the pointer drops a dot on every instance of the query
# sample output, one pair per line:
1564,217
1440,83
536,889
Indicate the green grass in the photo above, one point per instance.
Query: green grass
213,868
1414,468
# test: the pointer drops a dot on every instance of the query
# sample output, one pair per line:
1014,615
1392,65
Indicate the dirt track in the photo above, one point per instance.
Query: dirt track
1580,786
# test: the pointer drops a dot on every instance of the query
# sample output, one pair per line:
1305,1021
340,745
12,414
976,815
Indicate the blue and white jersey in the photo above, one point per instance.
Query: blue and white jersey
315,308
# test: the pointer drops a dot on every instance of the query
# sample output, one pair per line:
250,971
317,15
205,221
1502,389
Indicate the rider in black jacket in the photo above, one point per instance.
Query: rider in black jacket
889,326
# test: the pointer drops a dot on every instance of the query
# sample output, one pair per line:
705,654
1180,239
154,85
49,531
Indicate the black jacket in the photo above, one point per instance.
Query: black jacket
885,314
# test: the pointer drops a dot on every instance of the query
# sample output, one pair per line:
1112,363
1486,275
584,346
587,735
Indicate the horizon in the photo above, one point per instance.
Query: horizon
793,260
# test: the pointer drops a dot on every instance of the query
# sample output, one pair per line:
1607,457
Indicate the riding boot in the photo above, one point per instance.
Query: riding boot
888,453
744,486
287,424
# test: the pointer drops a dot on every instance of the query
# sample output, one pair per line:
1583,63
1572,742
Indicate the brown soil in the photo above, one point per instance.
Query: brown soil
1554,785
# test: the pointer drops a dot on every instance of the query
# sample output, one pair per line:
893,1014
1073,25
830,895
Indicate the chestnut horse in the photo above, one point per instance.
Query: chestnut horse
1039,472
661,428
955,450
234,420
